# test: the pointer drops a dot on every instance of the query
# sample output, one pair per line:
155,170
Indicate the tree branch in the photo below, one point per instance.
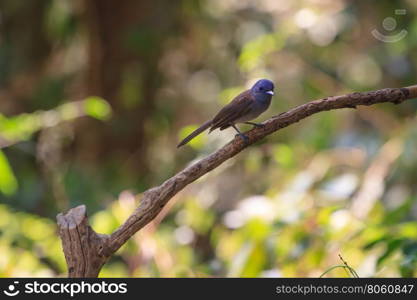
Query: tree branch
154,199
81,244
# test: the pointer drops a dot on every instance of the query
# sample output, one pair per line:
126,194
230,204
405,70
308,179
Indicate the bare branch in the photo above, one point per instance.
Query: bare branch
153,200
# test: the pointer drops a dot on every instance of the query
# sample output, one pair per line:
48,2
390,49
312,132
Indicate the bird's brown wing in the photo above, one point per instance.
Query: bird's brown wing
237,108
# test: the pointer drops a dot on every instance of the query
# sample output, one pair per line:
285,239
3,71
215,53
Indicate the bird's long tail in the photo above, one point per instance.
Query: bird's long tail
195,133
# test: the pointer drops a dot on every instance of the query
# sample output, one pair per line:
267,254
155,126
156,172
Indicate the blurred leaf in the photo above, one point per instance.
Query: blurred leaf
255,261
409,264
23,126
376,242
410,249
283,155
19,127
59,23
255,51
396,215
114,269
98,108
8,182
104,222
37,229
391,246
29,245
256,229
408,230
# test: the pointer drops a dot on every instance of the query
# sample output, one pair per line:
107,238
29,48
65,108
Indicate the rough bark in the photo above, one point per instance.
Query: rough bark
96,249
81,245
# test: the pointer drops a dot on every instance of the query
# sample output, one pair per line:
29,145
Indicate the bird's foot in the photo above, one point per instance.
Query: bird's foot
243,137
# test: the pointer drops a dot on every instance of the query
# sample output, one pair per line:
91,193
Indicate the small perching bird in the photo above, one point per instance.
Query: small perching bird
245,107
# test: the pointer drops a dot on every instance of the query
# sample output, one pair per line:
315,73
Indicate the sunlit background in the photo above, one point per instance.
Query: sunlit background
95,95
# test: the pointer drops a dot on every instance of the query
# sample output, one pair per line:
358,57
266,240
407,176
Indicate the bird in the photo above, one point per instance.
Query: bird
246,106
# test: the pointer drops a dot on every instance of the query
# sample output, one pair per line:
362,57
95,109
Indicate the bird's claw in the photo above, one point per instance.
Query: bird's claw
243,137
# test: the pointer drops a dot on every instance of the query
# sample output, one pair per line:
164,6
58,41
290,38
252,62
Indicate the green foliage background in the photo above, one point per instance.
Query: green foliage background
340,182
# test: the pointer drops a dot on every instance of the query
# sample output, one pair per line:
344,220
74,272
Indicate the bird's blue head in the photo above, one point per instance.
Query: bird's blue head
263,89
